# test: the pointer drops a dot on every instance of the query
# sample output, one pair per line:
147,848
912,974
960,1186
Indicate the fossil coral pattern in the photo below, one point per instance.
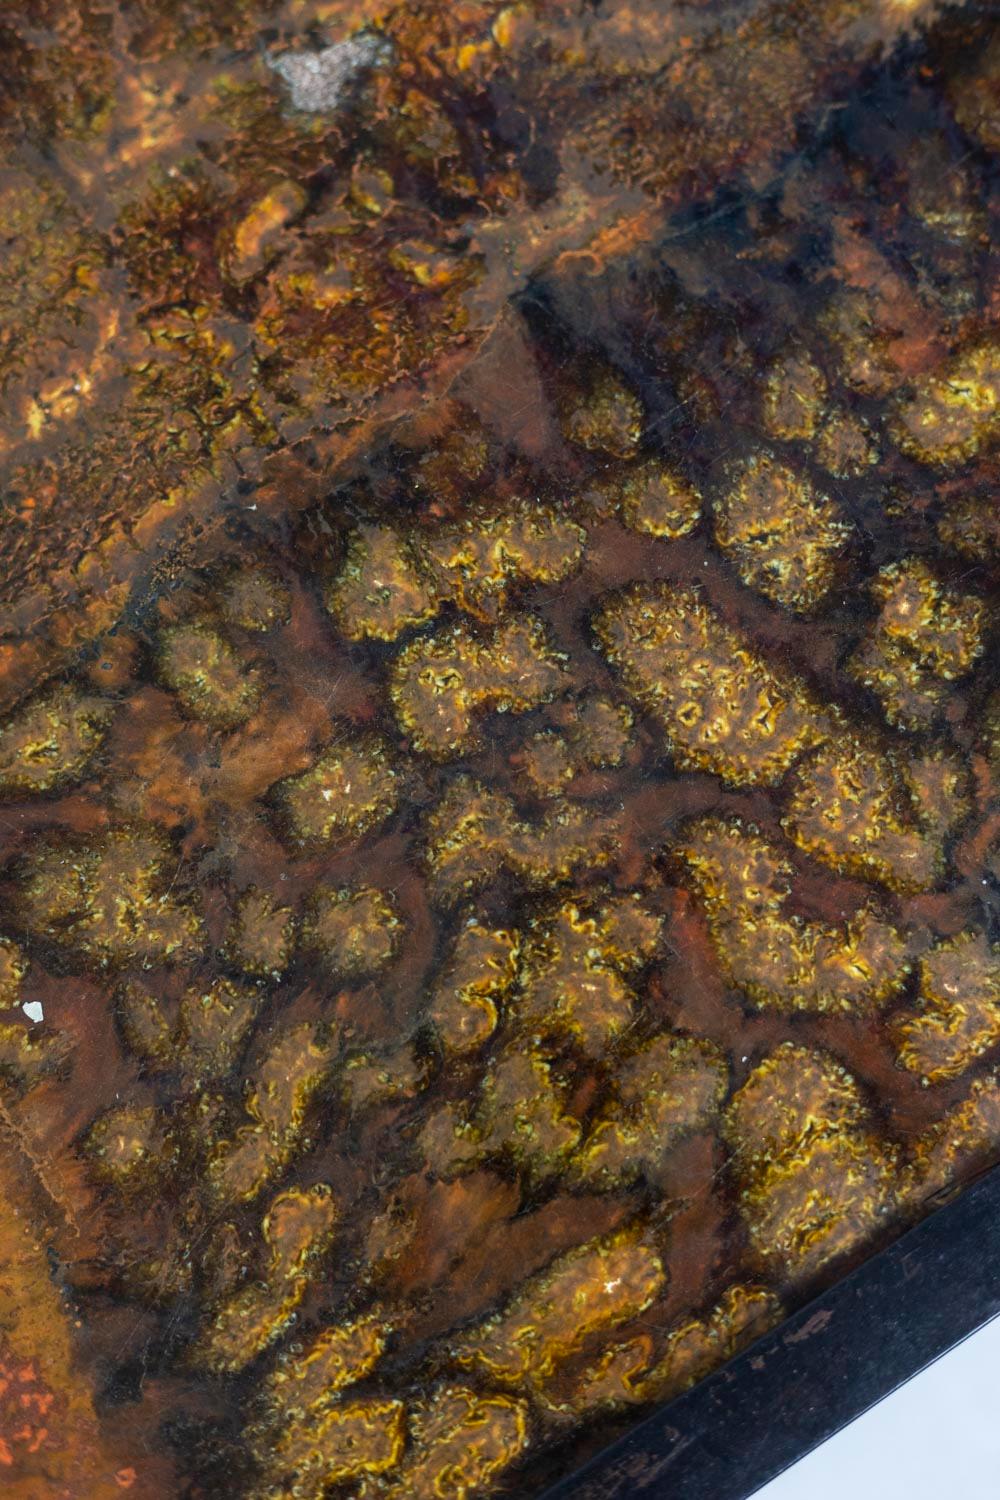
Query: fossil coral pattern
499,718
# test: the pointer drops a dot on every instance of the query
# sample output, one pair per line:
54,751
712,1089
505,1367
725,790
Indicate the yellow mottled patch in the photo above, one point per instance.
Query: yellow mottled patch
724,708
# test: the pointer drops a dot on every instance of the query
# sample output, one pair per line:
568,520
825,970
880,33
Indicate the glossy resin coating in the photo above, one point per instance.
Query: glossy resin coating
499,718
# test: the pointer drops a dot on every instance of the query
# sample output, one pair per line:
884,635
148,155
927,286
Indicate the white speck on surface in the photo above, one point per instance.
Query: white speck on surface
33,1010
319,80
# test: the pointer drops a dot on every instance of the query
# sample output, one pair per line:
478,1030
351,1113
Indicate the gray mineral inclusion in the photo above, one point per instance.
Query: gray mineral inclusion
320,80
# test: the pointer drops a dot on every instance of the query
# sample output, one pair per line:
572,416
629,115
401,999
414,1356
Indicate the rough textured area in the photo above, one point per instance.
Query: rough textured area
499,718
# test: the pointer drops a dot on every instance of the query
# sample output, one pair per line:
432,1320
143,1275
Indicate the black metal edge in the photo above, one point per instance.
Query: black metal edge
818,1370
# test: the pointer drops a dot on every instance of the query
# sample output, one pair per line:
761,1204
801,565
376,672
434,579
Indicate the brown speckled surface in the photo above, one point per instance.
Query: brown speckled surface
499,750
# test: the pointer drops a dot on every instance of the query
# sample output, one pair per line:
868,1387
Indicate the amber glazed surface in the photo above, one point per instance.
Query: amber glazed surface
500,728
